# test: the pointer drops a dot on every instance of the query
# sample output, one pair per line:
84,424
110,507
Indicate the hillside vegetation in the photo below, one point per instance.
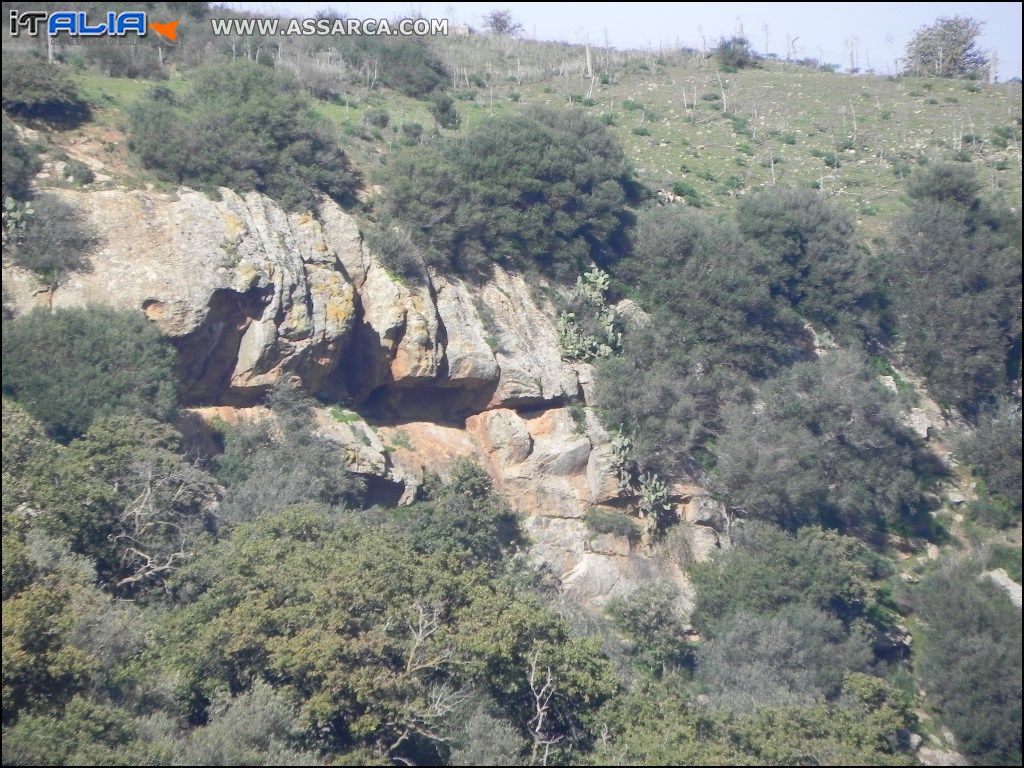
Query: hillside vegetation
766,268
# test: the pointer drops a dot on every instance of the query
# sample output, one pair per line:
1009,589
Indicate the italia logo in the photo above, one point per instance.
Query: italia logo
79,24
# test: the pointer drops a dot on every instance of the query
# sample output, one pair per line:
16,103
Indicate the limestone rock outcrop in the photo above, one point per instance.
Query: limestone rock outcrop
428,371
246,291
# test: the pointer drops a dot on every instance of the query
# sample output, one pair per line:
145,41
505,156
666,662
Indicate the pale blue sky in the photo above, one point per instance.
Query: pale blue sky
821,30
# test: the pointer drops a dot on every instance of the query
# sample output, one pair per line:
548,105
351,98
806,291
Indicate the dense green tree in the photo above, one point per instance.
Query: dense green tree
463,518
812,258
661,726
822,443
651,618
955,277
41,667
33,88
970,661
768,569
714,325
540,188
243,126
109,362
122,495
27,455
85,732
370,639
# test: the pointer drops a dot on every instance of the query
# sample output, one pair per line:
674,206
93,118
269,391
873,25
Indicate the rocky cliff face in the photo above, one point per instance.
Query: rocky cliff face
249,294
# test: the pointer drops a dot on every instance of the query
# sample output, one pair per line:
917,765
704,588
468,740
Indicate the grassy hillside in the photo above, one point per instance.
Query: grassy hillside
713,135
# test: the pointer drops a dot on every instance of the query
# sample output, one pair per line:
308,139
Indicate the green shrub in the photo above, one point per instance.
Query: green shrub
404,64
20,164
795,657
462,519
703,272
541,188
33,88
56,240
715,324
813,261
601,521
994,449
688,192
108,362
442,107
734,53
651,618
378,118
732,183
788,138
768,569
398,252
663,393
271,464
78,172
739,125
412,132
824,445
113,60
246,127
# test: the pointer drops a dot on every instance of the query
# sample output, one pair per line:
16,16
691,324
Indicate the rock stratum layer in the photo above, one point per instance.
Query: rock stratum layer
249,294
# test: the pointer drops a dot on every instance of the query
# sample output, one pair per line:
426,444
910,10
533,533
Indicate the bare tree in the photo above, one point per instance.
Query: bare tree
154,532
425,711
501,22
542,689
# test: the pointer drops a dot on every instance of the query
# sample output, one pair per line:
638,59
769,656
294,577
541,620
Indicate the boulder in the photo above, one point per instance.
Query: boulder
502,435
706,511
703,542
526,345
470,361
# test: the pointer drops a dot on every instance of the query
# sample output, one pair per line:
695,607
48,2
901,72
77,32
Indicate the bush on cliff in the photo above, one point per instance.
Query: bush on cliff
246,127
71,366
33,88
542,188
